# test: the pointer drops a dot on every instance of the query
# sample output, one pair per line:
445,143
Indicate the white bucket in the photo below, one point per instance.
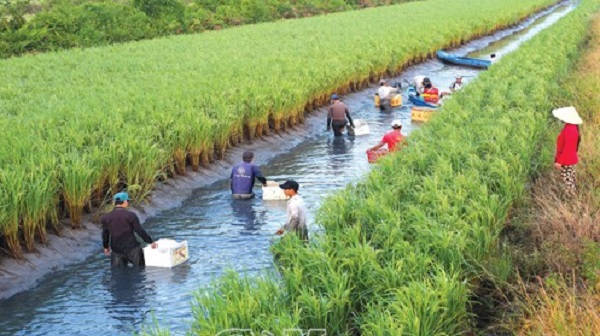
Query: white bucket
168,253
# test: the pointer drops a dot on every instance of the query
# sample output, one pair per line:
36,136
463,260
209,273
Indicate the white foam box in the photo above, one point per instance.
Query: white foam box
272,192
361,127
169,253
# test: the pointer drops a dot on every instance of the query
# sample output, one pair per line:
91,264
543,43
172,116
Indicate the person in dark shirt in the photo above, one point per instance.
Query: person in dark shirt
118,227
243,176
336,116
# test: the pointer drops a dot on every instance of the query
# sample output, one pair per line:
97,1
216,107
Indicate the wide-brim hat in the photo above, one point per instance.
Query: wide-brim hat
568,115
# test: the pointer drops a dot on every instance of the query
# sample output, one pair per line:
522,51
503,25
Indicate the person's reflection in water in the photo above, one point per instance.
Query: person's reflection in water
130,289
339,152
244,214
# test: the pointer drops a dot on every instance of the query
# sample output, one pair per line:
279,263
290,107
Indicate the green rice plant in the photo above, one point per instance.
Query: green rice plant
123,116
248,303
36,205
77,178
407,245
11,195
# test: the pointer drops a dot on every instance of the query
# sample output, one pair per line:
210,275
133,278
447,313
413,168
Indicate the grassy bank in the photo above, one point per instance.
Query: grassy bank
404,248
557,254
83,124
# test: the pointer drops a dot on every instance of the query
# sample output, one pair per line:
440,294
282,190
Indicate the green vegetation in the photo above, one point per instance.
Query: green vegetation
86,123
30,26
404,249
555,238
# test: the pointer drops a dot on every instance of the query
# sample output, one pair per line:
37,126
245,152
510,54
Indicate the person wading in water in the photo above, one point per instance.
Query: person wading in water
336,116
118,227
392,138
296,211
243,176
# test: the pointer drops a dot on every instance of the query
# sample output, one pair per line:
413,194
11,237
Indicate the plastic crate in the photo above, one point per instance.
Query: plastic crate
422,114
169,253
373,156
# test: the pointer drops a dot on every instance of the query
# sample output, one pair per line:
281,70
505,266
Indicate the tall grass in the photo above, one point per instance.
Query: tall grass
404,248
560,233
103,119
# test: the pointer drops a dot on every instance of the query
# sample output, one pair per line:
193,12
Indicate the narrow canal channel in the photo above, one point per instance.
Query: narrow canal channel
90,299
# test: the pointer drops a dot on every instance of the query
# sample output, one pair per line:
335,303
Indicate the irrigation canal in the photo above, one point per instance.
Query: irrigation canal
90,299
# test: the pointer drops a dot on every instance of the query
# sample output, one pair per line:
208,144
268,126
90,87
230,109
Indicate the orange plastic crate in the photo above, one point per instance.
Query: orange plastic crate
373,156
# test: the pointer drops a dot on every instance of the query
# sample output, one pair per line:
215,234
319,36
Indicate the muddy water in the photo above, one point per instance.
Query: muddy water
90,299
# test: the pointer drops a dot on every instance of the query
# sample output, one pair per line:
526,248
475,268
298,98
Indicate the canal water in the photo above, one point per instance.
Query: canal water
90,299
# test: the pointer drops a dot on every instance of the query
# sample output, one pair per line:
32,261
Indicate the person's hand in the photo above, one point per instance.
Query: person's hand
154,245
107,251
328,128
280,232
557,166
264,184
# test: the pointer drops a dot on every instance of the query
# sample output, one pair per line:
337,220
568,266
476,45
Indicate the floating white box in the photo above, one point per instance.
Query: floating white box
360,128
169,253
272,192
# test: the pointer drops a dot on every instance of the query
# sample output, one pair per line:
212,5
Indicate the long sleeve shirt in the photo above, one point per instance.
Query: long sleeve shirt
296,214
338,111
384,92
118,227
566,146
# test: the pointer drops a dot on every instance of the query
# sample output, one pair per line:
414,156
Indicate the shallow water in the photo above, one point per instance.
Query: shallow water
90,299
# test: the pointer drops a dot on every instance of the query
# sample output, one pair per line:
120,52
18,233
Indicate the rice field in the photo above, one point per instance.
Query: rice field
81,125
404,248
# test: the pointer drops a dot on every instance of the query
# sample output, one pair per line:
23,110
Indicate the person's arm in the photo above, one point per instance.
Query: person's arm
329,114
560,146
376,147
137,227
105,237
349,117
231,182
258,175
294,221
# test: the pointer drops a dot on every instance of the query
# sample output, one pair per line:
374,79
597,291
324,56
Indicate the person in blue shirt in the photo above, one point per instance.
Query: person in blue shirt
243,175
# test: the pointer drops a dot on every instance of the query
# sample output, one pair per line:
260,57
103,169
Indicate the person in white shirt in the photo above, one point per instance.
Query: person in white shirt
385,92
296,211
457,85
418,83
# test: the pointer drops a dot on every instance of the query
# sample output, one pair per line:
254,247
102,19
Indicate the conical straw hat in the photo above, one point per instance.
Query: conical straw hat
568,115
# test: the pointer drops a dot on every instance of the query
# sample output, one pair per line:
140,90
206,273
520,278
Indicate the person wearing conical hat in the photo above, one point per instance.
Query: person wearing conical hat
567,146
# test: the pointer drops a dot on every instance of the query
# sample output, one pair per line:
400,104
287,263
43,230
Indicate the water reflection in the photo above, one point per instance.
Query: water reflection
130,289
244,214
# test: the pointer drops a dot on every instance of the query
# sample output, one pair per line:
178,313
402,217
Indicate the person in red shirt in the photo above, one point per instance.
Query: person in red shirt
567,146
391,139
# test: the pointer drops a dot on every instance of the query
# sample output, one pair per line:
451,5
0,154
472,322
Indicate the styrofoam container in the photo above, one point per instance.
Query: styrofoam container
360,128
272,192
169,253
